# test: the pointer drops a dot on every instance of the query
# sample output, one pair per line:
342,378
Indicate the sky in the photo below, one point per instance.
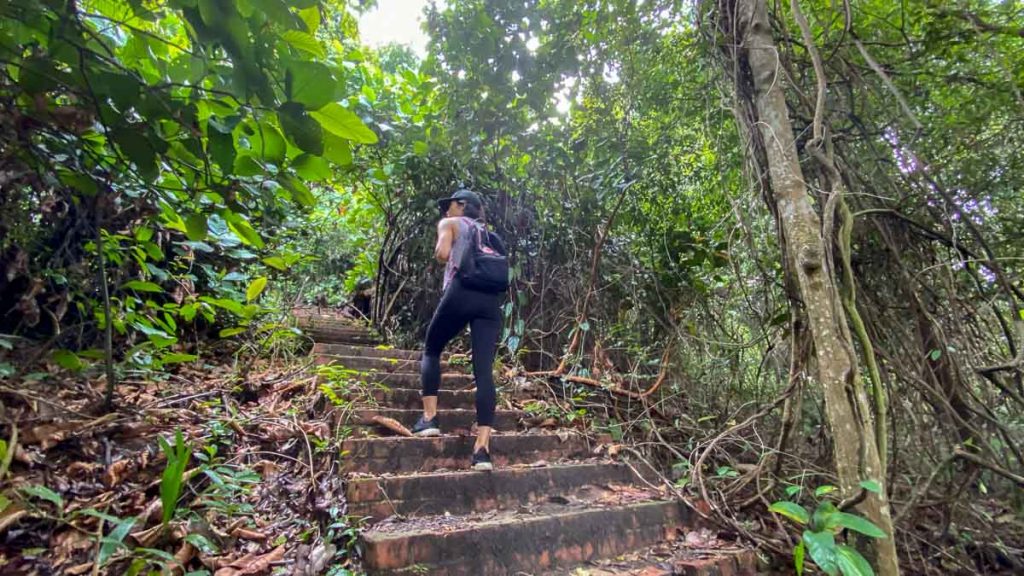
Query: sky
395,21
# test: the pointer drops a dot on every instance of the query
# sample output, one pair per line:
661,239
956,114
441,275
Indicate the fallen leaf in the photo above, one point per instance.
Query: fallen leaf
79,569
251,563
392,424
246,534
115,474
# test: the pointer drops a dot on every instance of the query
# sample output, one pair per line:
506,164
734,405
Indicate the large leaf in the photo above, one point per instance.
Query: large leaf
267,142
822,548
300,192
312,84
221,148
344,123
851,563
68,360
142,286
304,42
255,288
241,227
312,168
196,227
791,510
858,524
136,147
301,128
337,149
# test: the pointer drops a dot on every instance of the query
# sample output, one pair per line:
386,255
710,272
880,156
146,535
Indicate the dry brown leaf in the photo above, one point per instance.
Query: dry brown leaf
115,474
247,534
79,569
147,537
251,563
10,515
81,469
392,424
265,467
183,556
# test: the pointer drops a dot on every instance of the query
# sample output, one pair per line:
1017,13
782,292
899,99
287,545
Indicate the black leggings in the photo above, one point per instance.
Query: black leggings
460,306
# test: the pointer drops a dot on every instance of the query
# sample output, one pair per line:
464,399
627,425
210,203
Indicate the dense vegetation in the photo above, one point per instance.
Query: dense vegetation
772,245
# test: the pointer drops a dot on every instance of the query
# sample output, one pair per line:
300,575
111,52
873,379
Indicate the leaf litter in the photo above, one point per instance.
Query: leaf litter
260,490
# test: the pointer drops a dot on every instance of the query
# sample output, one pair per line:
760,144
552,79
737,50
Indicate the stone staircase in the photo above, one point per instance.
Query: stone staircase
553,504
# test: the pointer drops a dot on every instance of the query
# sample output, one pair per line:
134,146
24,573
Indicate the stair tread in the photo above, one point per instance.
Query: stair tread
399,528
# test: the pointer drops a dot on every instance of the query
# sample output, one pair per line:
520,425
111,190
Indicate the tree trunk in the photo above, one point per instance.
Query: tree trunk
847,406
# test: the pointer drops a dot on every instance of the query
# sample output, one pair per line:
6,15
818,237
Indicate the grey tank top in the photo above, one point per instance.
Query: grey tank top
466,226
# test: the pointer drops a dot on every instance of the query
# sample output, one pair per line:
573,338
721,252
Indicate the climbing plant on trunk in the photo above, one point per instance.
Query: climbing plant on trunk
756,57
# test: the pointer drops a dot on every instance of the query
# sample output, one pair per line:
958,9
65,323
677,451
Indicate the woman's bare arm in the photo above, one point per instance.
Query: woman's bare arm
447,231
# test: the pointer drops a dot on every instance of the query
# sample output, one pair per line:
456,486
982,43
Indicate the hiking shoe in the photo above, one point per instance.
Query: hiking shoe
426,427
482,461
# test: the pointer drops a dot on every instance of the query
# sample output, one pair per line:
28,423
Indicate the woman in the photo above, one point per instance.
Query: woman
463,216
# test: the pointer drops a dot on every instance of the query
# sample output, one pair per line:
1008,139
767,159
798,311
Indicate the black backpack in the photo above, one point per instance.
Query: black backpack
484,265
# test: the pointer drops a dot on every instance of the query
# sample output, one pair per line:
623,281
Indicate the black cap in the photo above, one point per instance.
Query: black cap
463,195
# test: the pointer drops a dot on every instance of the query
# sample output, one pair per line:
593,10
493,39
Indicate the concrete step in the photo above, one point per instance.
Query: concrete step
364,351
511,542
342,336
692,555
467,491
409,398
398,455
450,420
378,364
449,380
411,380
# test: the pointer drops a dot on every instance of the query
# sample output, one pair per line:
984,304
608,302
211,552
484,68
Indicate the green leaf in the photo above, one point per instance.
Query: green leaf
276,262
196,227
174,473
799,552
344,123
312,84
137,148
241,227
858,524
246,165
935,354
68,360
229,332
221,148
44,493
301,128
420,148
824,517
304,42
871,486
176,357
822,548
313,169
311,18
201,543
255,288
115,540
791,510
337,149
793,490
267,143
142,286
851,563
300,192
823,490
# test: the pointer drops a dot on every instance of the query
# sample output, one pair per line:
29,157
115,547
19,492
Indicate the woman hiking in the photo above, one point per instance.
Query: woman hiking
462,219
